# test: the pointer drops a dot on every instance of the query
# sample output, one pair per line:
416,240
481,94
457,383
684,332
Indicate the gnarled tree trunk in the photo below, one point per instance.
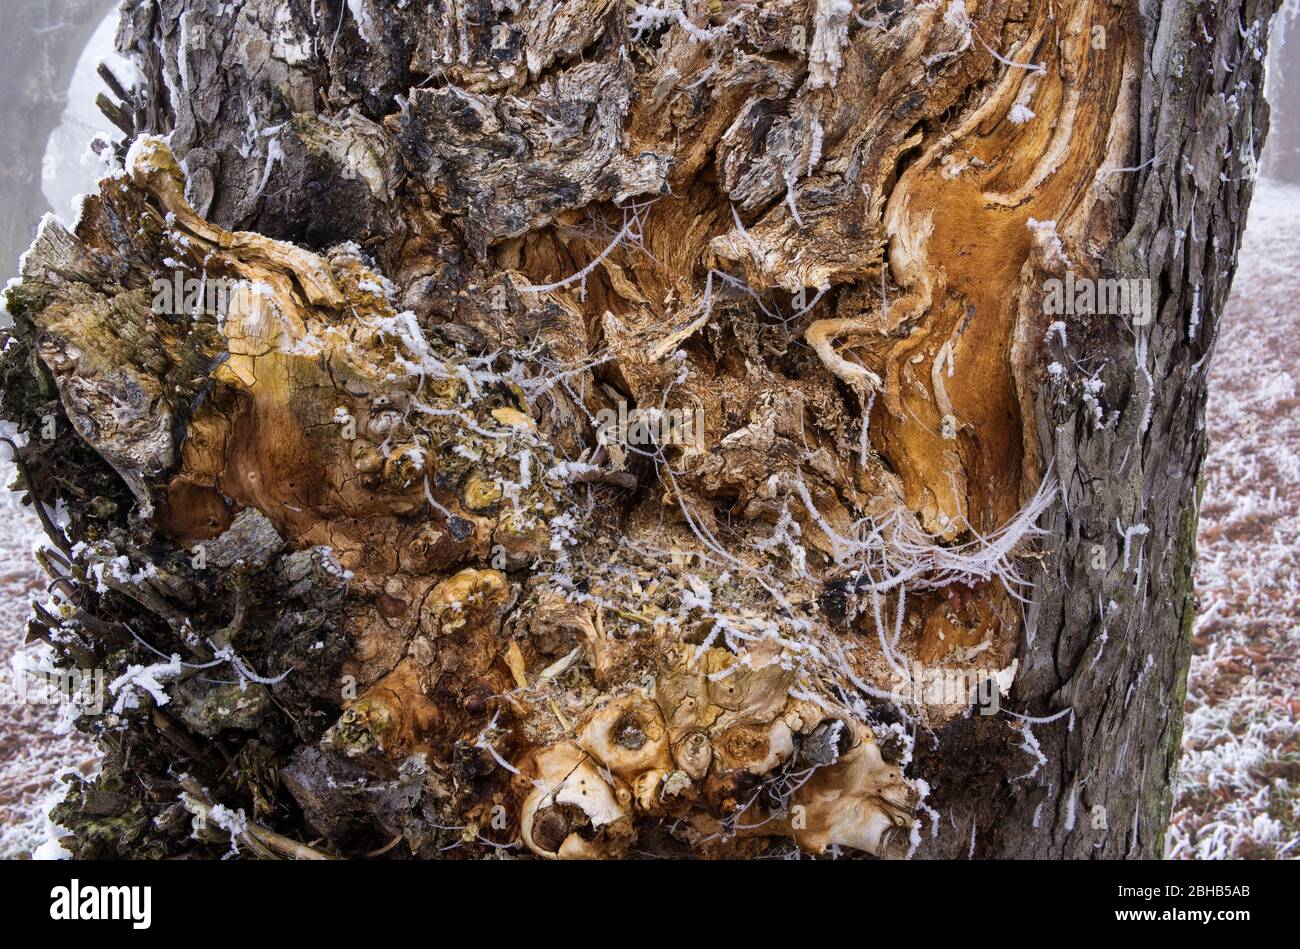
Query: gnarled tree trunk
616,429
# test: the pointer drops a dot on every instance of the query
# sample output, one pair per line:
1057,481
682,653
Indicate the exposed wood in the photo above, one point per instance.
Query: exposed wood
620,417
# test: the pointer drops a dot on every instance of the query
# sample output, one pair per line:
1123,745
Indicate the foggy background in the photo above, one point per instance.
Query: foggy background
48,53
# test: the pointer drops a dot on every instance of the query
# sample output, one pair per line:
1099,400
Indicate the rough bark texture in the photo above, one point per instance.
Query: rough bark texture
366,558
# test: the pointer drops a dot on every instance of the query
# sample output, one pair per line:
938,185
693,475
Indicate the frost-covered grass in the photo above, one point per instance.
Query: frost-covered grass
1238,791
31,749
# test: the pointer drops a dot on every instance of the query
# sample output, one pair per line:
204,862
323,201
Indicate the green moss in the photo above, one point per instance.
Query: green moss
106,823
1162,805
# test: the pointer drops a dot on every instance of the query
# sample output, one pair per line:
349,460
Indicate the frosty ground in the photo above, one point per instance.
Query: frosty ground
1238,792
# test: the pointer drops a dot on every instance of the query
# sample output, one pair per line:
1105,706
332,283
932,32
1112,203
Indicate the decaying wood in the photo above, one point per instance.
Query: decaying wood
438,597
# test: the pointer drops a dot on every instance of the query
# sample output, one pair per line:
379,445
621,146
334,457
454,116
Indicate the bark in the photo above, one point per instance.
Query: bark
368,554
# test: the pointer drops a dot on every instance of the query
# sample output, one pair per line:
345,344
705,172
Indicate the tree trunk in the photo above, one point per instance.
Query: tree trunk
605,429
